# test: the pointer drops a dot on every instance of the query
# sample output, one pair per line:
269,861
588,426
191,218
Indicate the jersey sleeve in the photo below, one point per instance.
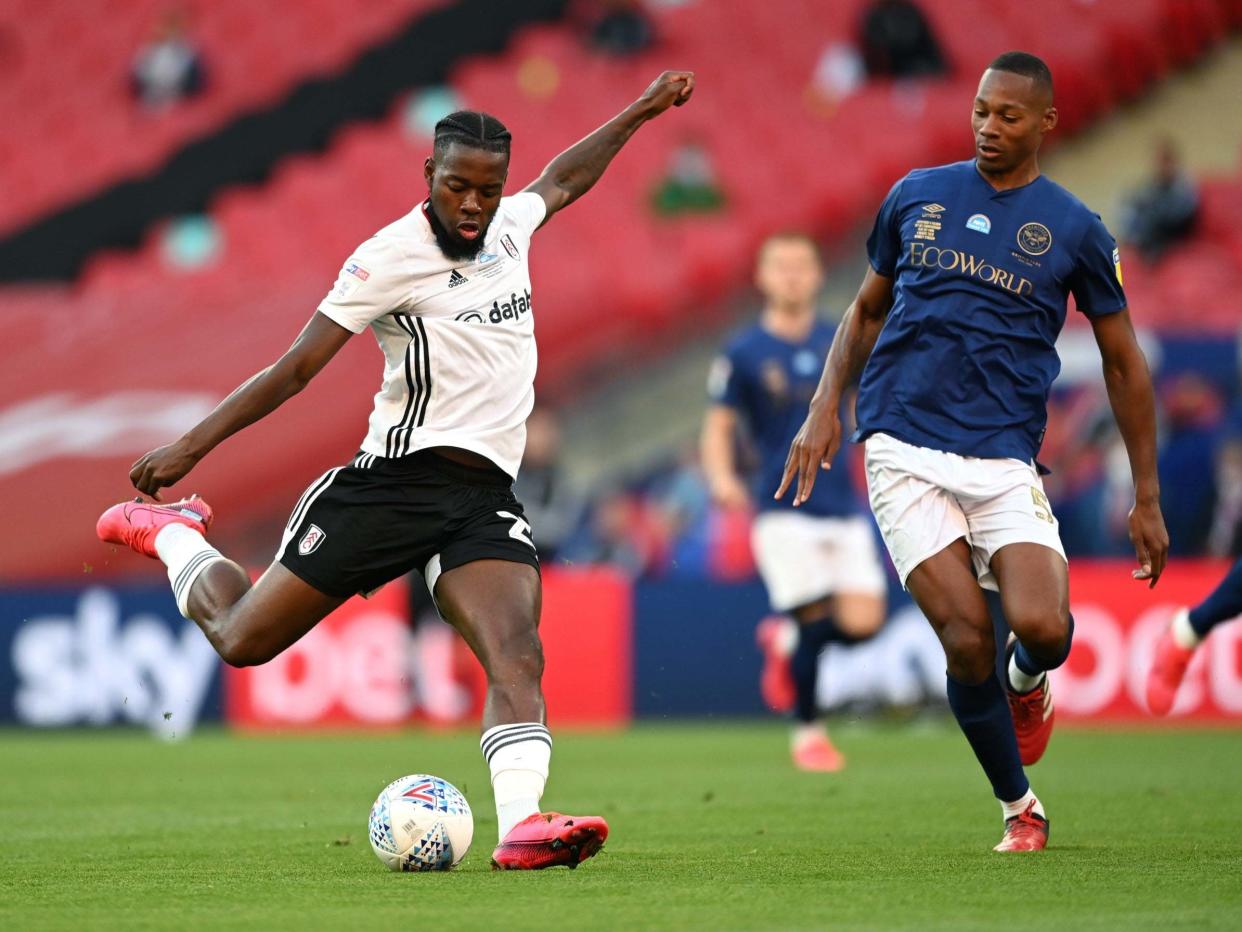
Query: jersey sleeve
372,282
527,210
884,243
726,383
1096,279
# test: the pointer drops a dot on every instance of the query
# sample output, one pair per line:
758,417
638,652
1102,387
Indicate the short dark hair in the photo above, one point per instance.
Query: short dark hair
474,129
1027,65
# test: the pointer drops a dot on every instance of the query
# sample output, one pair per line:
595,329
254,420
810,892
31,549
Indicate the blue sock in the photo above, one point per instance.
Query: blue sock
982,712
1224,603
1031,665
813,637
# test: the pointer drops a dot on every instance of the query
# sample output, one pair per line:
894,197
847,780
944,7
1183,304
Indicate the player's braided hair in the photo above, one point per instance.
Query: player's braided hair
474,129
1027,65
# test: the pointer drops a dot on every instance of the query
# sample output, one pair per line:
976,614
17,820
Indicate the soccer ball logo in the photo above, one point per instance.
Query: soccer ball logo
421,823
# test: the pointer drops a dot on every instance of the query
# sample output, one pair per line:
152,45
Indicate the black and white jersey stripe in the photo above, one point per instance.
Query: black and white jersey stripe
418,385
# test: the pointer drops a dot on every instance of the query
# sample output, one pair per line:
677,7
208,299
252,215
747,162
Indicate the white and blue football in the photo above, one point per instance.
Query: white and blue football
421,823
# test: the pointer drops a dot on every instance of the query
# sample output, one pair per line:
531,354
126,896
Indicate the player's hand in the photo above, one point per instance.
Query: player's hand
1150,539
161,467
815,445
730,493
671,89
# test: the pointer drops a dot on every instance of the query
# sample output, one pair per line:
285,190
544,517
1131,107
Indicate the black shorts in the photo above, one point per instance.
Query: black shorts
360,526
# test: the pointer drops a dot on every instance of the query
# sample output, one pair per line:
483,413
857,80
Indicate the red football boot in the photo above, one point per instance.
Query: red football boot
547,839
1033,715
136,523
818,755
776,684
1168,668
1027,831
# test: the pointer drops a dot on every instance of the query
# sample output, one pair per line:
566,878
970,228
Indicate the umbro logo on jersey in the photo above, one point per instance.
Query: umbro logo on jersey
933,211
456,278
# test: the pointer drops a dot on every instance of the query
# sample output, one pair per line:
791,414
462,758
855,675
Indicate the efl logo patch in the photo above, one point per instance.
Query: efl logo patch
1034,238
357,271
509,247
311,540
1117,265
979,223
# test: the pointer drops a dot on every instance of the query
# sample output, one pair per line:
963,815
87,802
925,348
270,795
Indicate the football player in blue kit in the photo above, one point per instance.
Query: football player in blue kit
953,333
819,564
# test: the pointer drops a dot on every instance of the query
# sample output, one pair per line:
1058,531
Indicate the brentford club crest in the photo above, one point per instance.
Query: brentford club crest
311,539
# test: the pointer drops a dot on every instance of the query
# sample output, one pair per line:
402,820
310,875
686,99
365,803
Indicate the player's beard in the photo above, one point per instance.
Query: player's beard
454,247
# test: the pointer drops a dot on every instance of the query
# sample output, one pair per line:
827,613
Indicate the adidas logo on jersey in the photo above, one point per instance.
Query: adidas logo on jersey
456,278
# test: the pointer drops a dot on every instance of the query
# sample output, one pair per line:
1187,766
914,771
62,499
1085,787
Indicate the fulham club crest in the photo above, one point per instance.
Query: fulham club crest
509,247
311,540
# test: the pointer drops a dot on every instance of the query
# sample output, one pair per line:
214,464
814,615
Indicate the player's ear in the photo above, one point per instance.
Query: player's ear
429,170
1050,120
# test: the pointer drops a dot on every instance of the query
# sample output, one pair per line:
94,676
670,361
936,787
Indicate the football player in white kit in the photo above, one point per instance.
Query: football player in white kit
446,290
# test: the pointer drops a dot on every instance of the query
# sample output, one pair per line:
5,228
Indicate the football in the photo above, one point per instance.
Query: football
421,823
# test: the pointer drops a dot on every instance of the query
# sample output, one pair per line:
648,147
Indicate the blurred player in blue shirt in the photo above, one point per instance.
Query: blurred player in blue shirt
954,335
818,563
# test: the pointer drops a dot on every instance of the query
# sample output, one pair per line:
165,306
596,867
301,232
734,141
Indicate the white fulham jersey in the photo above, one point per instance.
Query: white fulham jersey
458,339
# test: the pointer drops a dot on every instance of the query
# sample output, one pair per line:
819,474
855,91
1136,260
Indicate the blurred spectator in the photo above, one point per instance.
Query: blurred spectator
425,106
689,184
897,41
618,27
626,531
1225,535
170,67
553,506
190,242
1163,211
1193,413
838,72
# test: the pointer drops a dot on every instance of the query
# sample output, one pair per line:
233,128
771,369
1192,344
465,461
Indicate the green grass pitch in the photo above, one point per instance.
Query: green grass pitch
711,829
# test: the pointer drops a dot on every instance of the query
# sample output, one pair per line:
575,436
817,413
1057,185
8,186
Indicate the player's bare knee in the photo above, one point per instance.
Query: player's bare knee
969,651
243,650
1041,632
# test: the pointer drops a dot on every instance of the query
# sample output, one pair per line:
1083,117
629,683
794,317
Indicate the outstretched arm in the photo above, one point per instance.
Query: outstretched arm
716,455
1134,406
255,398
572,173
820,437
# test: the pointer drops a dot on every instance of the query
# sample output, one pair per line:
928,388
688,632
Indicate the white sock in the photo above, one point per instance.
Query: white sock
1018,805
1184,636
186,553
1019,679
518,756
808,731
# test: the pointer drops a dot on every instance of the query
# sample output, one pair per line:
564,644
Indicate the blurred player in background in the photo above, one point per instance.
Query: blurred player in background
1188,629
819,564
954,335
446,291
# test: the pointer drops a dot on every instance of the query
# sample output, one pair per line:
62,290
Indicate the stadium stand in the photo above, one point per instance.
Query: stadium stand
68,84
613,281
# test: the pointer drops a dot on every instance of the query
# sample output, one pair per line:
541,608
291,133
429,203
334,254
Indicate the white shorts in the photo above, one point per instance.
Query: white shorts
803,558
925,499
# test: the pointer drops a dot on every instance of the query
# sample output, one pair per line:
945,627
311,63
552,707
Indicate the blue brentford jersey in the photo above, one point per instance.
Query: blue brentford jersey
981,278
769,382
